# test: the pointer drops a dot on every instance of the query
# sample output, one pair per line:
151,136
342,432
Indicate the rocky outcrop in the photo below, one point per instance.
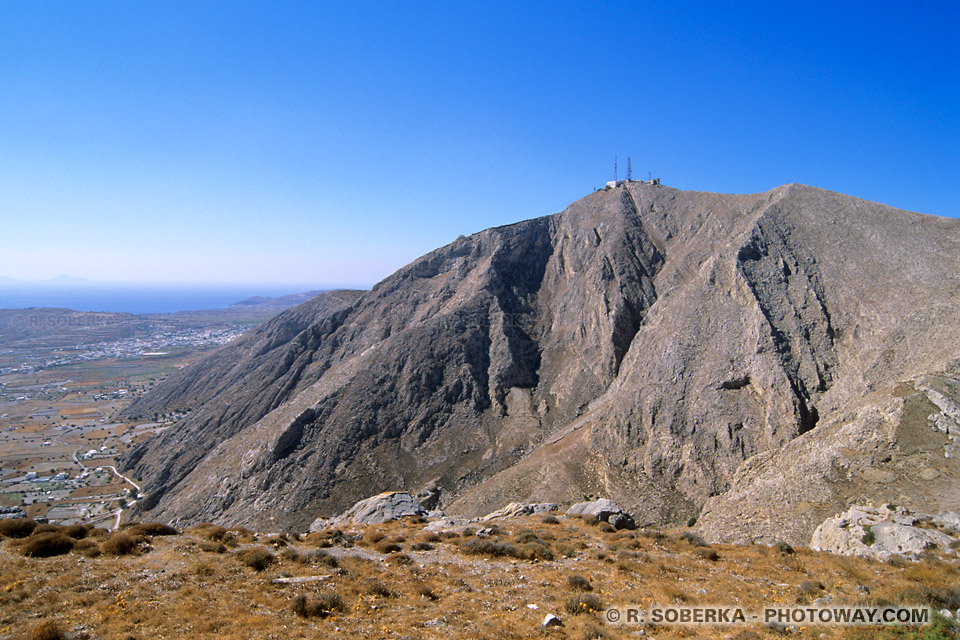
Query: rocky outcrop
390,505
879,533
675,351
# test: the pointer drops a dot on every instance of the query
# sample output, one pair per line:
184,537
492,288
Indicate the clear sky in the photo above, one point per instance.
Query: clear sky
330,143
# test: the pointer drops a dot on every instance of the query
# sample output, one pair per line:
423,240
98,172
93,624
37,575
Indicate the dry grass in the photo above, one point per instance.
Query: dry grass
463,587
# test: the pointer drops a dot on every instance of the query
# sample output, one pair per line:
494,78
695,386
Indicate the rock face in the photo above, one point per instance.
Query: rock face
878,533
665,349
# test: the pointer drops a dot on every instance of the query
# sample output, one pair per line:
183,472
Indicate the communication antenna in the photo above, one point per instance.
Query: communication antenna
614,168
629,170
650,176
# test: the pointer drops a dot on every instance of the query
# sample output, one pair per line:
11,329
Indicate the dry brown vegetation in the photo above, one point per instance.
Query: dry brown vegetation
478,583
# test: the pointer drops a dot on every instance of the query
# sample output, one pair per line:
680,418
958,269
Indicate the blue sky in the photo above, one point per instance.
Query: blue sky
331,143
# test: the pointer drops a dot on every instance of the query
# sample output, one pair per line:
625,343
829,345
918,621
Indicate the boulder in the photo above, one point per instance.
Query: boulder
12,513
390,505
879,533
517,509
446,524
604,510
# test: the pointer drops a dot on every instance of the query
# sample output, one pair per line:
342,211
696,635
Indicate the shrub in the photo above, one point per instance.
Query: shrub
606,527
211,546
427,591
468,531
152,529
483,547
583,603
427,536
869,537
87,548
706,553
550,519
321,557
399,559
120,544
579,583
209,531
46,528
16,527
290,555
784,548
75,531
422,546
45,545
537,551
692,521
322,607
256,558
386,546
47,630
375,587
809,587
374,537
524,537
694,539
277,542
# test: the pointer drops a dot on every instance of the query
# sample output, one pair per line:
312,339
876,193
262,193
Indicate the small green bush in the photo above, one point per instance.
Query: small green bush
869,537
692,521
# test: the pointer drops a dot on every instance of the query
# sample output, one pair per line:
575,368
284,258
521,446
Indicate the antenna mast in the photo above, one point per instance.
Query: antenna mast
629,170
614,168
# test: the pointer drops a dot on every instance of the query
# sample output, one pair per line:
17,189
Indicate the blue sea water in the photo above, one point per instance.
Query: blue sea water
137,299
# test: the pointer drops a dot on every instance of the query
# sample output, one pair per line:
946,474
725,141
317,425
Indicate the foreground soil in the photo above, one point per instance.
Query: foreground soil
490,580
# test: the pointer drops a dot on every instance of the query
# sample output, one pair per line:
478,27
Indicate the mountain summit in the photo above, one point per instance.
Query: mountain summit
656,346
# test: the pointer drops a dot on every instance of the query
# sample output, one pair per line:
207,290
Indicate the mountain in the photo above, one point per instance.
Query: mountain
656,346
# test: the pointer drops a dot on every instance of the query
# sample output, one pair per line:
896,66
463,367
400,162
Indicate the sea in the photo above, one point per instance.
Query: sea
139,299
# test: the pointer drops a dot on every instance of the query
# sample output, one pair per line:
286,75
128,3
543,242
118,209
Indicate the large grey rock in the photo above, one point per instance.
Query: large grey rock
604,510
518,509
894,532
390,505
12,513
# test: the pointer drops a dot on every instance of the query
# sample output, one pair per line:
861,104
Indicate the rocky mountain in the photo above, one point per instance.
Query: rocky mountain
666,349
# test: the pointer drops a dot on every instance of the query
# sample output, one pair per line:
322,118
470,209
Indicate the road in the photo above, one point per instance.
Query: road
119,513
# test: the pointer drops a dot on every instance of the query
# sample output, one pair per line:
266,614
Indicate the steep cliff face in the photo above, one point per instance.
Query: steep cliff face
641,344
